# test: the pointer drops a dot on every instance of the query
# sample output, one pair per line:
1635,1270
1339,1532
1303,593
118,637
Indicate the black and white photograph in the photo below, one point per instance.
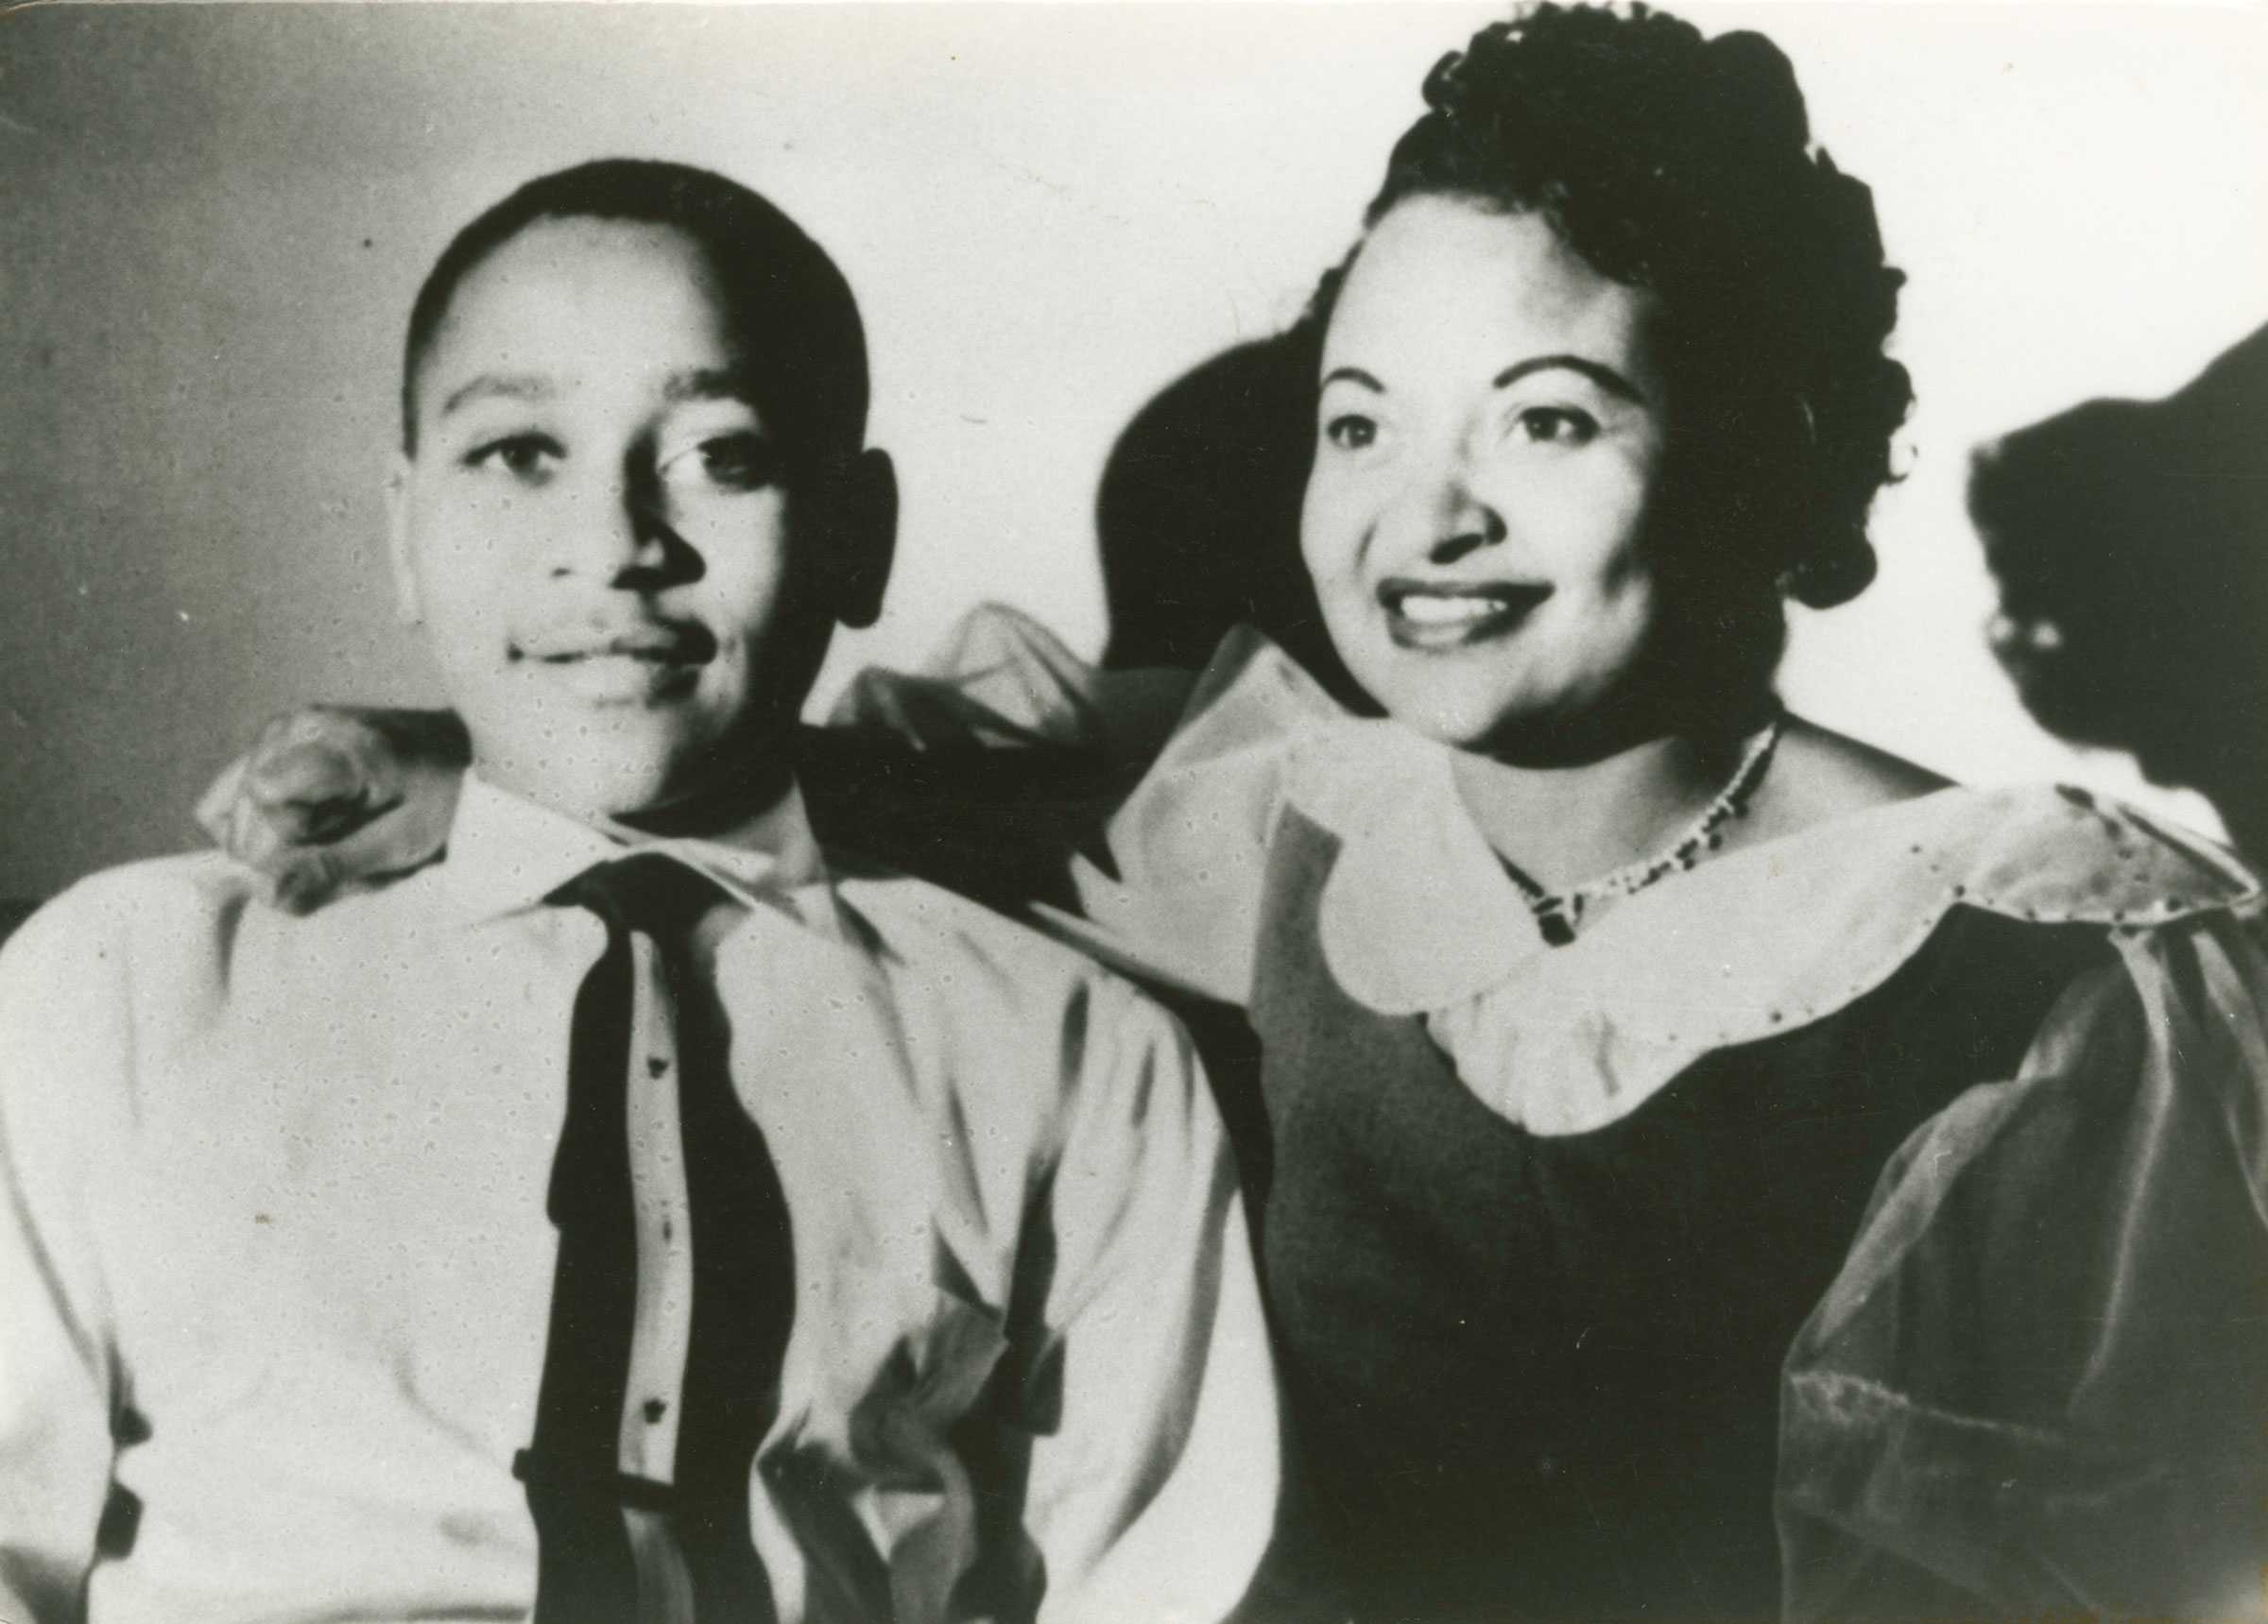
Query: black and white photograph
1205,811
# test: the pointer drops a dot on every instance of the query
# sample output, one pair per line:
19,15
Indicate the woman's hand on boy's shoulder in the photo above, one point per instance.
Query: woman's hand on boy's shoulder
332,799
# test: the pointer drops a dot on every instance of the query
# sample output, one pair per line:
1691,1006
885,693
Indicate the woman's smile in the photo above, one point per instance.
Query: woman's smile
1437,616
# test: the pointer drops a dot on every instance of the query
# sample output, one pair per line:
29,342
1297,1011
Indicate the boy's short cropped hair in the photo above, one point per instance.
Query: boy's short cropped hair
784,296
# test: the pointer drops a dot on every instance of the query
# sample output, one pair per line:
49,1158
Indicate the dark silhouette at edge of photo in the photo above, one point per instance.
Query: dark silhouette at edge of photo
2129,541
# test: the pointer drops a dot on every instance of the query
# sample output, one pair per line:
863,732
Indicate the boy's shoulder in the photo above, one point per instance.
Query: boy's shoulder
991,966
196,917
174,900
927,926
124,951
1014,1044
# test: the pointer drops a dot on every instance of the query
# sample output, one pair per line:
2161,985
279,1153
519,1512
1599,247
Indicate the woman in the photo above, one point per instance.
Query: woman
1716,1167
1596,997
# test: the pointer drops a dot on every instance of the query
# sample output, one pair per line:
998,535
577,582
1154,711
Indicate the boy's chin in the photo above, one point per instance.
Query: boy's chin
688,791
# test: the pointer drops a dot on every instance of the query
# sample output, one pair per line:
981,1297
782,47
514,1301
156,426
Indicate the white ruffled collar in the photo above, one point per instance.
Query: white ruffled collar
1417,917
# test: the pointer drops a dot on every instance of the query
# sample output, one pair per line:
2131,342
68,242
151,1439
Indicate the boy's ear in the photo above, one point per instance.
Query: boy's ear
864,538
397,542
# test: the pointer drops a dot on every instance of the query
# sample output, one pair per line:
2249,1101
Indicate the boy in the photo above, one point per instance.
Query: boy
626,1217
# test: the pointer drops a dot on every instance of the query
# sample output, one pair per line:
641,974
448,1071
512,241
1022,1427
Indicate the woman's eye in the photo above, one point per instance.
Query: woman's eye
523,456
1350,431
1558,425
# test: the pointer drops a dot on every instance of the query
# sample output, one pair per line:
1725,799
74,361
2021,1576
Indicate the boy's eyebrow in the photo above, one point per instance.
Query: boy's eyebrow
698,383
1604,377
498,385
1354,375
708,384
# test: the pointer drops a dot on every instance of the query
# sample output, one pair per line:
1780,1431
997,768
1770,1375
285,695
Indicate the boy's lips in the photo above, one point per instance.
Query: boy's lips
627,665
1432,615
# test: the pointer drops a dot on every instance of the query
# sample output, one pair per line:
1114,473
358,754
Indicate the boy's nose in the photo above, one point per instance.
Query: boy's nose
614,530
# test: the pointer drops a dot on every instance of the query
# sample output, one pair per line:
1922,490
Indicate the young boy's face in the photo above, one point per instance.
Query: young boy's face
594,528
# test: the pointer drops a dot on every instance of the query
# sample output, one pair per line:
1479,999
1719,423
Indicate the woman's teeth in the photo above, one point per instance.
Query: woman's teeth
1446,611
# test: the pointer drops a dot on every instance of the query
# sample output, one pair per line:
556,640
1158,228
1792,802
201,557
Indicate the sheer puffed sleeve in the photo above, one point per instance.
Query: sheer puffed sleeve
985,770
1002,679
1176,897
2041,1379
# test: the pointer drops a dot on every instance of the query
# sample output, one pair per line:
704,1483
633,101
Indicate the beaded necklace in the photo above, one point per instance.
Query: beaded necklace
1557,912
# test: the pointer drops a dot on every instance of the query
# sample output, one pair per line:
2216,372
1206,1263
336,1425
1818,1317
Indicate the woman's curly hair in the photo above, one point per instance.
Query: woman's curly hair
1683,166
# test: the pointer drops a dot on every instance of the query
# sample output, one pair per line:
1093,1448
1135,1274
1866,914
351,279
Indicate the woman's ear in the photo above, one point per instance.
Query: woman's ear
406,604
864,536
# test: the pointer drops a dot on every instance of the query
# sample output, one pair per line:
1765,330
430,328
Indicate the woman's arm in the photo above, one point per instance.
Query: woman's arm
2041,1381
982,772
332,799
1009,770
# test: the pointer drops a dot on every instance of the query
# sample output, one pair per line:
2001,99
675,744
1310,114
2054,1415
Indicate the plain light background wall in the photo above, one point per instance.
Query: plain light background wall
212,221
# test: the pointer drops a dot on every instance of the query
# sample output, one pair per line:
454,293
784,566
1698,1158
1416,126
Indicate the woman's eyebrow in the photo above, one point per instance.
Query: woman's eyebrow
1354,375
1604,377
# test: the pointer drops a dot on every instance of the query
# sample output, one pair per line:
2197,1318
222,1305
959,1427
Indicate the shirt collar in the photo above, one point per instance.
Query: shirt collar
506,854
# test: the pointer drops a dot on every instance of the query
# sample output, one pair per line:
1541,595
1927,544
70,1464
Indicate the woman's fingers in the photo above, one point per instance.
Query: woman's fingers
311,780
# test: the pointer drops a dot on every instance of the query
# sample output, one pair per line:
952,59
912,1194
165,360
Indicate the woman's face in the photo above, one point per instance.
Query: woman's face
1491,438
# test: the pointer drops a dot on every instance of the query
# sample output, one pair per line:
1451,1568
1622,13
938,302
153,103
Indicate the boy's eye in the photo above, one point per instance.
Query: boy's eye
1558,425
1350,431
735,462
523,456
745,461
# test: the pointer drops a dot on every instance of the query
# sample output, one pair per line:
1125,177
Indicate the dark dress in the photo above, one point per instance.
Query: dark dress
1537,1376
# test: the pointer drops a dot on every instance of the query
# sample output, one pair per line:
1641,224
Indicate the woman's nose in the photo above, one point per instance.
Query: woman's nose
1444,517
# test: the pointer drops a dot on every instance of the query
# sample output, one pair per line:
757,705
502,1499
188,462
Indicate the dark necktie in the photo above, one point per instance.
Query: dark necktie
618,1546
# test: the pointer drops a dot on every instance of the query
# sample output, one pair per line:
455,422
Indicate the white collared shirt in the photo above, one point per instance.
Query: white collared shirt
275,1262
